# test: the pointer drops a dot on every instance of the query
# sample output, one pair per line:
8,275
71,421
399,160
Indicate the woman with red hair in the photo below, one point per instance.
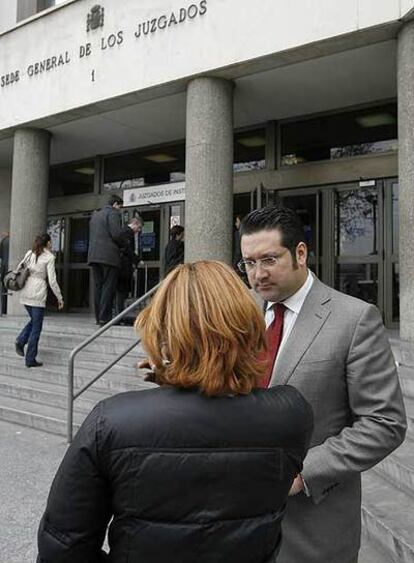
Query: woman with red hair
199,468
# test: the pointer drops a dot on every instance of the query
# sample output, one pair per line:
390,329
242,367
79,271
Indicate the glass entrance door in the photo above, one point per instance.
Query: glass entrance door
77,270
70,239
352,234
359,267
308,207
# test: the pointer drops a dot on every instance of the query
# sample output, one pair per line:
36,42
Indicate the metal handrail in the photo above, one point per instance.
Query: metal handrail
71,370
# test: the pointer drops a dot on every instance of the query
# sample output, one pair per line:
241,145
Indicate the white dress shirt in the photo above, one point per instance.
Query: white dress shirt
293,306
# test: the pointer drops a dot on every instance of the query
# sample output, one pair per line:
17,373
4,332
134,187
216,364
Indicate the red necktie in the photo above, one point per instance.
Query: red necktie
273,339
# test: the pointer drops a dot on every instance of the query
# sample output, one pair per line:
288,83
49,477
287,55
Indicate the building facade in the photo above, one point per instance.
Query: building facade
199,111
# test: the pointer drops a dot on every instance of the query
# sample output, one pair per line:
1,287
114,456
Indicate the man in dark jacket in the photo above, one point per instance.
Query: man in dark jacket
104,256
129,259
174,251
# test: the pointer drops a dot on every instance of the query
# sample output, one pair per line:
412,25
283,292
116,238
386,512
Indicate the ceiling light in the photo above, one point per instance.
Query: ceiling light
86,170
160,158
250,142
375,120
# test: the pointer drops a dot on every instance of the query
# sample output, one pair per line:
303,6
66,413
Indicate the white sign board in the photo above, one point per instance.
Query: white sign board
148,195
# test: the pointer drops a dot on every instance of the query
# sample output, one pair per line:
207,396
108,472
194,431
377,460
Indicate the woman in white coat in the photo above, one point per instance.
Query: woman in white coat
41,263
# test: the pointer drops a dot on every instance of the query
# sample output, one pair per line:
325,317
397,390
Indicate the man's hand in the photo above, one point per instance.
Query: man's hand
297,486
61,305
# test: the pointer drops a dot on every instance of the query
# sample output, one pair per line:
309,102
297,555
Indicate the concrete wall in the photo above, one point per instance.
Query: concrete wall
58,65
5,191
8,14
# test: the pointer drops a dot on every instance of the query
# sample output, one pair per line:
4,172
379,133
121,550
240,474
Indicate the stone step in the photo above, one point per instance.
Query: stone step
409,407
115,380
43,417
113,345
370,552
92,360
68,325
47,393
398,468
406,375
388,518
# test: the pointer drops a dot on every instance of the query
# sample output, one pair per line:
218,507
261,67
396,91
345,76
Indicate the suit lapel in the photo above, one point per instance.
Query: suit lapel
313,315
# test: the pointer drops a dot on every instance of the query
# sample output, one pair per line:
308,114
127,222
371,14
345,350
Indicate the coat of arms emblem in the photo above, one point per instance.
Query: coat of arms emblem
95,18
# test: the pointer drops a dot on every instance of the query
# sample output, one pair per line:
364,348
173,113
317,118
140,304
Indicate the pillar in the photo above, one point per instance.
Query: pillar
405,84
209,170
29,195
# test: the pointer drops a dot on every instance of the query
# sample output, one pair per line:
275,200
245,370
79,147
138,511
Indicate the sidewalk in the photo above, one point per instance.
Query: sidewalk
28,462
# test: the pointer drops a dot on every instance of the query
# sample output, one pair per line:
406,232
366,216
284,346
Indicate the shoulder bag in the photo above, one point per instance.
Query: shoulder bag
16,279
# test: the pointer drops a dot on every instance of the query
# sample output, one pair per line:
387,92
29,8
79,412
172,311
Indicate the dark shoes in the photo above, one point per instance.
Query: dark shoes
34,364
19,349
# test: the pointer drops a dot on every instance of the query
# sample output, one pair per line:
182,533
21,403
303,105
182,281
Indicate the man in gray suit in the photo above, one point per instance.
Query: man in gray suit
334,349
104,256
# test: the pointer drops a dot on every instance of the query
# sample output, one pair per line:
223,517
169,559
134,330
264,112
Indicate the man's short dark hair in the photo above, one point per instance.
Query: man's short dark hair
115,199
176,231
279,218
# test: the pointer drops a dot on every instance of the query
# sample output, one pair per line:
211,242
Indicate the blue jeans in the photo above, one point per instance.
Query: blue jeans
31,333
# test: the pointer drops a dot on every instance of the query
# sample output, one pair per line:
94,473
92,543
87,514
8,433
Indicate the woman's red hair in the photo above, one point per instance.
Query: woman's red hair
205,323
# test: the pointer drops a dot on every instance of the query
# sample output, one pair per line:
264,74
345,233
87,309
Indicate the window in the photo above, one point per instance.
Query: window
72,179
145,167
249,150
331,137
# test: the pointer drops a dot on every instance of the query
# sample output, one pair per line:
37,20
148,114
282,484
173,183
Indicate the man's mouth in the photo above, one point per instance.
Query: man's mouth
263,287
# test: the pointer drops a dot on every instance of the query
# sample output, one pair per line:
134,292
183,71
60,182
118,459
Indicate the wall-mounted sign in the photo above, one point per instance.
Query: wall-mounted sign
154,194
161,22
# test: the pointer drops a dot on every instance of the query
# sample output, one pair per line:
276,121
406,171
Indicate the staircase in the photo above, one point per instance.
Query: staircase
37,397
388,488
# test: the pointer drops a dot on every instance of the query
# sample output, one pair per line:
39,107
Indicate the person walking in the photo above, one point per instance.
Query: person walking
174,251
333,348
41,264
198,469
104,256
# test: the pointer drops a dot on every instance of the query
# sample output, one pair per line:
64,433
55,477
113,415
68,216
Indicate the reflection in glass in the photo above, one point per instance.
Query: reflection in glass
395,218
305,207
150,235
249,151
56,230
72,179
358,280
79,240
356,218
147,280
78,296
396,292
145,167
340,135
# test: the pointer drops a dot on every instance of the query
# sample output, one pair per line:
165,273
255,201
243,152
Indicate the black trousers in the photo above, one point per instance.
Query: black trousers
105,278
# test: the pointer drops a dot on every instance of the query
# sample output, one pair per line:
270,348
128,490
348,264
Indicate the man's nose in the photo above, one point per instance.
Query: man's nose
260,272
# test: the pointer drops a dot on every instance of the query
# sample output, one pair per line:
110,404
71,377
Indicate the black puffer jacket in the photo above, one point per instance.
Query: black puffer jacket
186,478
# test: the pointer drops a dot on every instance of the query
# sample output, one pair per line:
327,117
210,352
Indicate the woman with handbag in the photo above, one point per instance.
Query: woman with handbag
41,264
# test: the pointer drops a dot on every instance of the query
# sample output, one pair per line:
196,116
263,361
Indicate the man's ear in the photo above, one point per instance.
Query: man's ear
301,254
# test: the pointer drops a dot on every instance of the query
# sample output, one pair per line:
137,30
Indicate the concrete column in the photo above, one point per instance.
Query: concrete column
209,170
30,183
405,77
